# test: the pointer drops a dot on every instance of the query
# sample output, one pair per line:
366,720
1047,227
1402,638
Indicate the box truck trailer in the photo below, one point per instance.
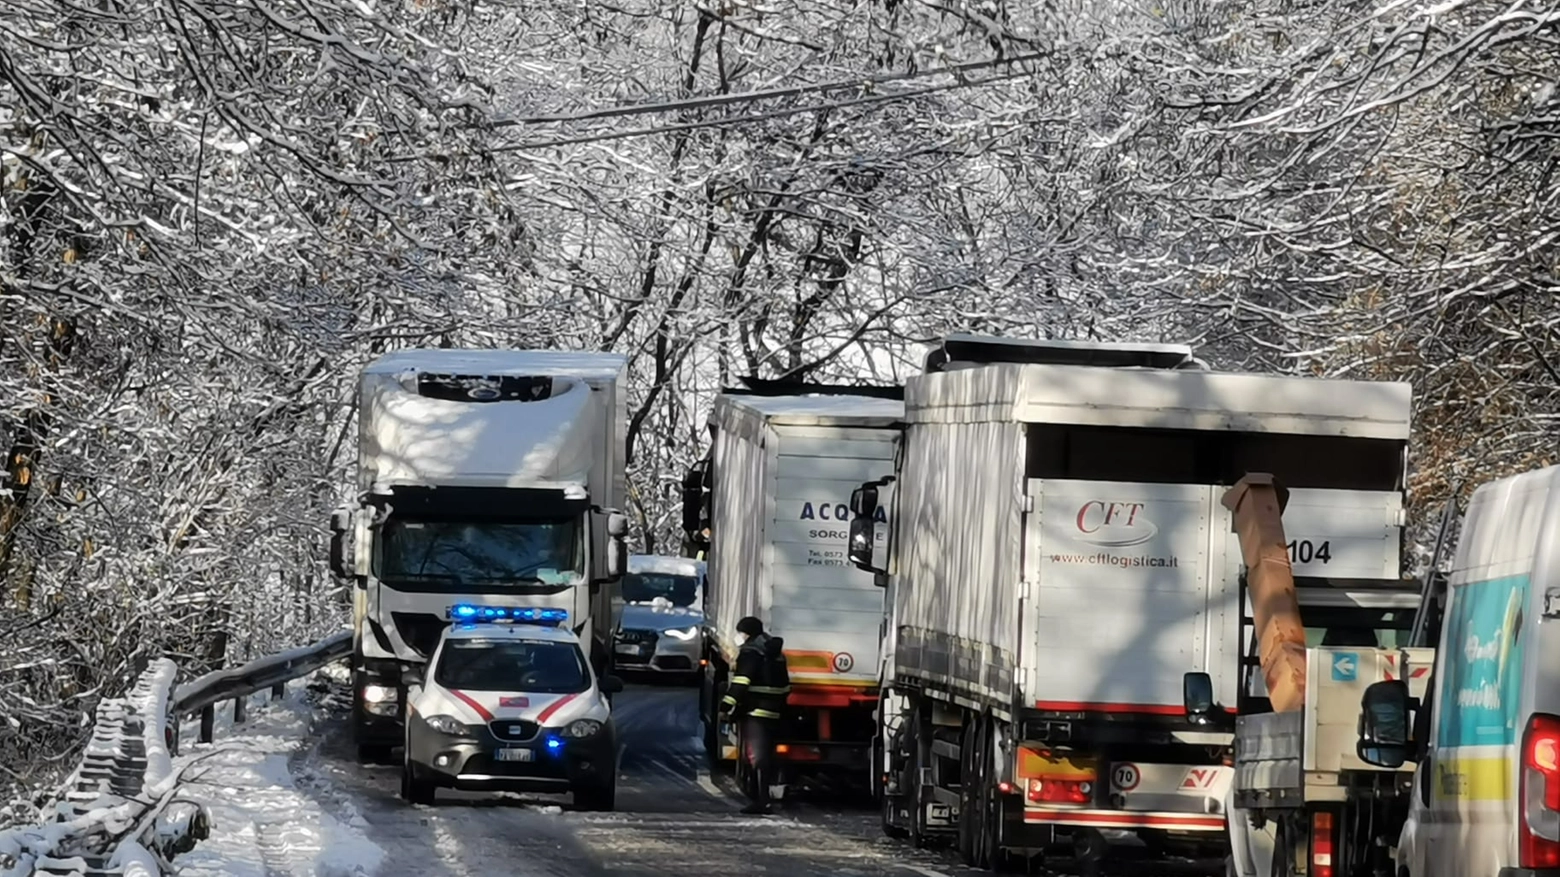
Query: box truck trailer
1063,640
771,498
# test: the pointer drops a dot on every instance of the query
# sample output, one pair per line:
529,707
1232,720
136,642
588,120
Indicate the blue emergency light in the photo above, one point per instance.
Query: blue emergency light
526,614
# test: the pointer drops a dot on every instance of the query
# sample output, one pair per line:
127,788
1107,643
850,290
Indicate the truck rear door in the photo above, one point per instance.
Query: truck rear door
1130,589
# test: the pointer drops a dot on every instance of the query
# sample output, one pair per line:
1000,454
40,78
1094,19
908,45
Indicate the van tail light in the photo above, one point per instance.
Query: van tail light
1538,795
1322,844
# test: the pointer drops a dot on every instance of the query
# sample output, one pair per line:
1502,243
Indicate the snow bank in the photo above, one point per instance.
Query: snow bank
262,821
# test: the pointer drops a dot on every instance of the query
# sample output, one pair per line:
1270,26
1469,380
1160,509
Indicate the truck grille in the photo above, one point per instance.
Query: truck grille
513,730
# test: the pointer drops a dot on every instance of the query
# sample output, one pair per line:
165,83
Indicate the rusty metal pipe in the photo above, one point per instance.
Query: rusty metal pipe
1257,502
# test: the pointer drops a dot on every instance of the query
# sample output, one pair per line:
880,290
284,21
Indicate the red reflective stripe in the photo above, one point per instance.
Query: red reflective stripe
1155,709
1126,817
554,707
467,699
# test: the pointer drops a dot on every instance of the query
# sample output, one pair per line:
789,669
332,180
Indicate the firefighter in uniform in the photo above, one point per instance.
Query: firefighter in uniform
756,696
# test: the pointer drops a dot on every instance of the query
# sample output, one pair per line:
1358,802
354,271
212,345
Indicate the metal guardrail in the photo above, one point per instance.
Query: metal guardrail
120,814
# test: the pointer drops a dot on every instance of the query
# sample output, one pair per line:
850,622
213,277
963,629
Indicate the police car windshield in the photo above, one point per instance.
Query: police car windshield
536,666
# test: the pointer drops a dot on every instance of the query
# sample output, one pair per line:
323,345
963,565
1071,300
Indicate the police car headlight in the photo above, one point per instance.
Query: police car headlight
448,725
581,728
685,634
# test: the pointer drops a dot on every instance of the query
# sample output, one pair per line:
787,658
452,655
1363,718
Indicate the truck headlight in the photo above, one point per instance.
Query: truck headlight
448,725
685,634
380,694
581,728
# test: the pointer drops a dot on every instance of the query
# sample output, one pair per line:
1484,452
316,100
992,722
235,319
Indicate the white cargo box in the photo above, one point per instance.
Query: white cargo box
784,468
1014,585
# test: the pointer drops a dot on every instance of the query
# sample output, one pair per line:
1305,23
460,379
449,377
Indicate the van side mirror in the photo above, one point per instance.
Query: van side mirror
1383,729
1197,696
340,561
610,684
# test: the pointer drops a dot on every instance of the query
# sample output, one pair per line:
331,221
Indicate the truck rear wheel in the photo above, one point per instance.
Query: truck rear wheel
880,767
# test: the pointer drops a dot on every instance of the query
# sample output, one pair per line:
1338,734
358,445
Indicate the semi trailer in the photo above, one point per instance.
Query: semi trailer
491,477
772,498
1063,587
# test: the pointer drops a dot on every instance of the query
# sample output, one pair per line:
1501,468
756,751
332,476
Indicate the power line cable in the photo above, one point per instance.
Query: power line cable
747,119
767,94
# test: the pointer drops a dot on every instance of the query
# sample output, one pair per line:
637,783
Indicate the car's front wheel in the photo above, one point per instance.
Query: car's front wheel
415,789
600,797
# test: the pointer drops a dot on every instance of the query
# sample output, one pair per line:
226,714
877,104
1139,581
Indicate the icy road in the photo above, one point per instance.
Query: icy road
289,800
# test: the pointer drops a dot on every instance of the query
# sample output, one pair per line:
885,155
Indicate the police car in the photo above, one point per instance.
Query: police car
508,702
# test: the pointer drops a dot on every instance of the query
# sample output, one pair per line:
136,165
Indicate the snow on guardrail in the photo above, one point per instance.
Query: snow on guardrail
119,815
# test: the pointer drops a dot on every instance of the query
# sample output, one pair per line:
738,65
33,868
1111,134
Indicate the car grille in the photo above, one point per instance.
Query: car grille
513,730
636,637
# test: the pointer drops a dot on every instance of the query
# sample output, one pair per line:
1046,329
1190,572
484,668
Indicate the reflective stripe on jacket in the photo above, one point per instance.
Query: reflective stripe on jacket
761,682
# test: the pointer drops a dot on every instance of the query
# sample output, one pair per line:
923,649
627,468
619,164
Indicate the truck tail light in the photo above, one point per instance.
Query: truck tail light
1322,845
1538,795
1061,791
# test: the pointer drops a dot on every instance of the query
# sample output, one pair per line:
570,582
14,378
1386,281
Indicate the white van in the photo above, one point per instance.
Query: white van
1486,799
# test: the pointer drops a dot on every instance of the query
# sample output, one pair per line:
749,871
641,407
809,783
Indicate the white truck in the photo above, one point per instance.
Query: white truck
1303,801
483,476
772,497
1063,641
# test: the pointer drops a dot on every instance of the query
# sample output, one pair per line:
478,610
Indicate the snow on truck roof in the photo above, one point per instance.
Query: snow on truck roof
1162,399
575,363
819,410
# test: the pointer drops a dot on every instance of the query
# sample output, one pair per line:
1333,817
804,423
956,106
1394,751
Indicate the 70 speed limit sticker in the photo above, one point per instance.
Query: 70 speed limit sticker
1124,777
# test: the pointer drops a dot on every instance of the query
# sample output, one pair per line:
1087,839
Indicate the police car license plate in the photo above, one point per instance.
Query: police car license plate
513,755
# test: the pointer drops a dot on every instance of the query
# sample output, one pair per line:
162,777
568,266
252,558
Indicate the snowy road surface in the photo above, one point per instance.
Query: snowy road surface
289,800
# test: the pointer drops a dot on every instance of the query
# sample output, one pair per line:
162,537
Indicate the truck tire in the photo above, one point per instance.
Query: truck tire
974,834
891,828
918,742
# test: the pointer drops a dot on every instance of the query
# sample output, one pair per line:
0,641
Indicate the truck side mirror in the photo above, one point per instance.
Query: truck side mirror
617,525
340,526
617,558
863,533
864,502
1197,695
693,497
1383,727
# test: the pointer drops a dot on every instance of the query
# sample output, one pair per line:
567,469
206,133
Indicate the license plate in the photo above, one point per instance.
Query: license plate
513,755
629,649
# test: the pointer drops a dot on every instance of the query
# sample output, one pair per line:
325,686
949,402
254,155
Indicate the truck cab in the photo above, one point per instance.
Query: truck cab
485,476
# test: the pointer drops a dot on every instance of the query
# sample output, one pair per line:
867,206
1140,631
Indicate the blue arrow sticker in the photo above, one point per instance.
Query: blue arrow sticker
1346,666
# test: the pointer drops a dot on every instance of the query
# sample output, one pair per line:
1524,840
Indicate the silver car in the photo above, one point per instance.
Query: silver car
661,630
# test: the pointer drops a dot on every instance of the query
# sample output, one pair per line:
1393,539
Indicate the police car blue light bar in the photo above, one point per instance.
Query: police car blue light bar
530,614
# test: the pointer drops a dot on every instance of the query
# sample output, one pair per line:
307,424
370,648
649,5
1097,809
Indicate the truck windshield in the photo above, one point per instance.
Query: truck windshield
532,666
644,587
437,554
